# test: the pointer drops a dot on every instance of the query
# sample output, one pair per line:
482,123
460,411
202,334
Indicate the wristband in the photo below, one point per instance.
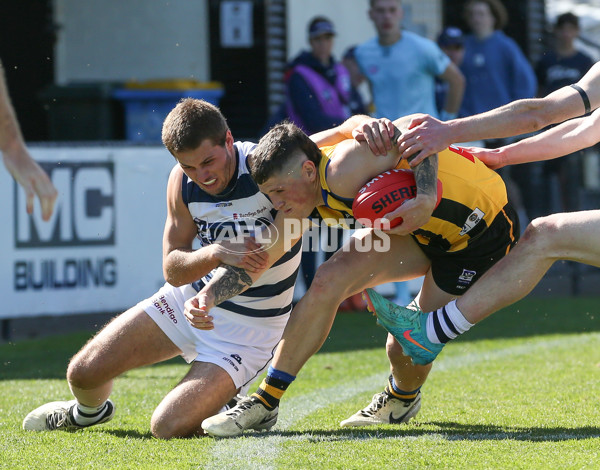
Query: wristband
584,97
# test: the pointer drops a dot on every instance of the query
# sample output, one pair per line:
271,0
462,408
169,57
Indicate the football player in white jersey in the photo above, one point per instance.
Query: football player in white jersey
208,189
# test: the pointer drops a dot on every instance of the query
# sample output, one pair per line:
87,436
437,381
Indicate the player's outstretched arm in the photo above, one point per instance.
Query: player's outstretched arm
564,139
19,163
427,135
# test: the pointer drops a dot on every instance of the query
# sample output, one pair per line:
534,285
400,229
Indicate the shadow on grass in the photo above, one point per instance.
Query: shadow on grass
449,431
48,358
129,434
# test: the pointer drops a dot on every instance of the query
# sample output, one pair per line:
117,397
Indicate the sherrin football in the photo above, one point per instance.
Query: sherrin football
385,193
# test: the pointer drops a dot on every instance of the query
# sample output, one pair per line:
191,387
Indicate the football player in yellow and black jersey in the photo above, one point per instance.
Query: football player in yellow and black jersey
472,228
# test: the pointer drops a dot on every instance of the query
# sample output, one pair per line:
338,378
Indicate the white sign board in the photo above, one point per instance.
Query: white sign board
236,24
102,249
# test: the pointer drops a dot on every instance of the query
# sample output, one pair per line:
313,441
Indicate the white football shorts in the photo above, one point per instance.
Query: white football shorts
241,345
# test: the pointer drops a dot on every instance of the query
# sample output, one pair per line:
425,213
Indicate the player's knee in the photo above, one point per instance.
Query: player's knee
166,427
77,373
160,428
542,233
81,372
328,283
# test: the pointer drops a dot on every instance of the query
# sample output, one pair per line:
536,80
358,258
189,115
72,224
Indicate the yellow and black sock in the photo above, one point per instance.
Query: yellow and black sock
273,387
392,390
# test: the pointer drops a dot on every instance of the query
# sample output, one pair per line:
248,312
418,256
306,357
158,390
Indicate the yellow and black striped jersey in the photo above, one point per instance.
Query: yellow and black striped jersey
472,197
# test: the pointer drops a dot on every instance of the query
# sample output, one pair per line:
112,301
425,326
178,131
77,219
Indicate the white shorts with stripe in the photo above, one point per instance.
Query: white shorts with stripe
241,345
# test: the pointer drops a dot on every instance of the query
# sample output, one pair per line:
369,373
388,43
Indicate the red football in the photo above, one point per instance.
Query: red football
385,193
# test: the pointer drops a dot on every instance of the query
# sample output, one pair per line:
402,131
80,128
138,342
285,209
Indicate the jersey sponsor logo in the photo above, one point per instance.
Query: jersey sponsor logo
165,310
224,204
466,278
472,220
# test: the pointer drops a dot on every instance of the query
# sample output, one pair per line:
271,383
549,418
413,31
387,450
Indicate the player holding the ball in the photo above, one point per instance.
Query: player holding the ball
472,227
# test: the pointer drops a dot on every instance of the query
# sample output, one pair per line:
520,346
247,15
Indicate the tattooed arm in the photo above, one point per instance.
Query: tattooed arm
229,281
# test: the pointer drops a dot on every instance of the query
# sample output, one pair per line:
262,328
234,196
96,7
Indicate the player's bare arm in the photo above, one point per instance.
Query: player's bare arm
18,161
230,281
181,263
566,138
428,135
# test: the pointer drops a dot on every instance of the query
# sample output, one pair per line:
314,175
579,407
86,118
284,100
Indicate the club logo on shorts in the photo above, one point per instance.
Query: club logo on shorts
474,218
231,363
465,279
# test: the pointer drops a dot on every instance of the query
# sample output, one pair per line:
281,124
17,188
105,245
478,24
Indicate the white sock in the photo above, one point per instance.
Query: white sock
85,415
446,323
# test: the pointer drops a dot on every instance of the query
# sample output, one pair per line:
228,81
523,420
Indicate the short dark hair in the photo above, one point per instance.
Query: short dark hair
497,8
276,148
567,18
372,2
190,123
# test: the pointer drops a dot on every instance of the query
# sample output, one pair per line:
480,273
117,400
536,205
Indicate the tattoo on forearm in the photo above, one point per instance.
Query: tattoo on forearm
233,281
426,176
425,172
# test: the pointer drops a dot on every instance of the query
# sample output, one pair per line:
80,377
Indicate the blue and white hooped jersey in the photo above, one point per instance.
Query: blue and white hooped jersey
241,209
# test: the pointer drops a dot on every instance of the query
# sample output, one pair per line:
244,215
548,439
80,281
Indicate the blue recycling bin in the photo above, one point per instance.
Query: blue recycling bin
146,109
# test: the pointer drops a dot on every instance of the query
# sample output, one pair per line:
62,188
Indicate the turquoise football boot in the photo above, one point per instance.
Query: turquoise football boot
407,325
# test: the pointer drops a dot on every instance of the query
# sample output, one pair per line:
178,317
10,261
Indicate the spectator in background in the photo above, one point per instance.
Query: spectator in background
559,67
358,103
452,42
319,96
318,88
17,159
496,72
401,67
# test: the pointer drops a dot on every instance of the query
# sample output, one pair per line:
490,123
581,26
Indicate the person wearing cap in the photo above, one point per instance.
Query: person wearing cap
401,67
452,41
318,87
319,96
560,66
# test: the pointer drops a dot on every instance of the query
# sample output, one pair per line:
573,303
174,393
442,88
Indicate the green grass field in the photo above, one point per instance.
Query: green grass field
520,390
